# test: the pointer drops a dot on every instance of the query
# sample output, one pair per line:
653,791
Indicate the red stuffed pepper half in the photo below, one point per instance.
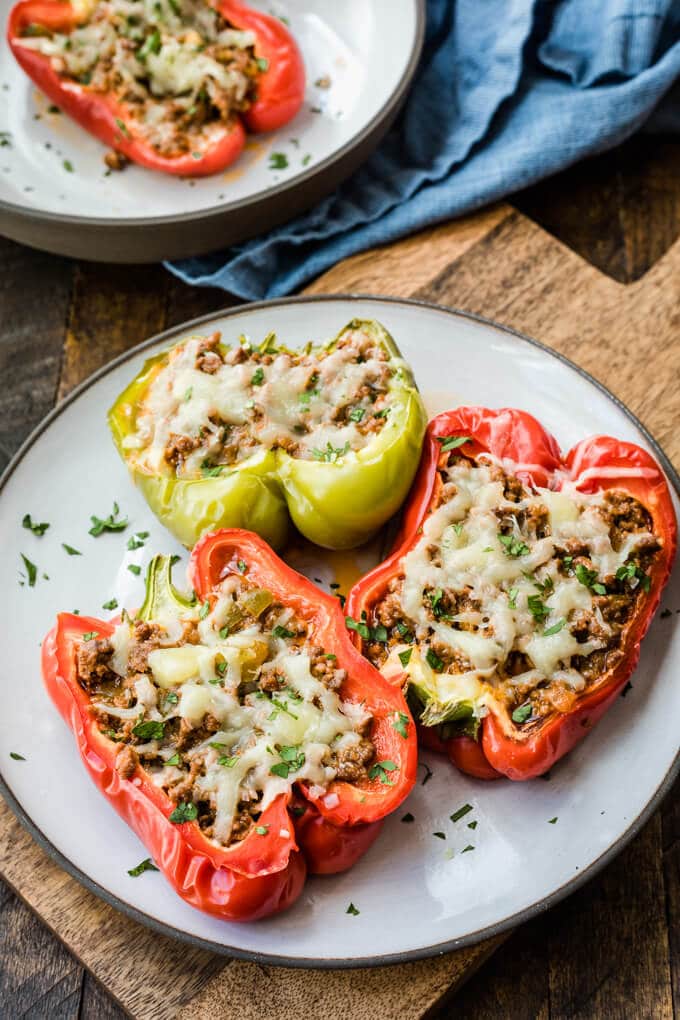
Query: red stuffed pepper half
239,732
520,588
172,85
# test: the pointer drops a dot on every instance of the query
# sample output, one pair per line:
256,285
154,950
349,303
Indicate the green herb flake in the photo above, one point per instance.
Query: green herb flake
537,607
439,835
262,64
111,523
521,714
331,454
352,910
171,698
282,632
472,825
37,529
122,128
461,812
361,628
467,848
227,761
356,414
408,818
149,730
68,166
31,571
452,442
186,811
551,821
262,830
380,771
405,657
400,724
16,757
139,869
433,661
512,546
278,161
512,597
555,629
204,610
134,569
91,635
174,759
70,550
211,470
137,541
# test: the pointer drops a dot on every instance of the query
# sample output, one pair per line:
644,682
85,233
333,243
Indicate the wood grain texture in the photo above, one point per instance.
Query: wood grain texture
613,948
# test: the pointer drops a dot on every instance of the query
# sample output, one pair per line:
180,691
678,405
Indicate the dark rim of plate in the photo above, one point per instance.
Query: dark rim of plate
422,952
302,179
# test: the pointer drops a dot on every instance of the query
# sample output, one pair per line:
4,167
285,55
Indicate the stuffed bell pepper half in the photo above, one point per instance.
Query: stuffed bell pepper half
172,85
254,436
238,732
520,588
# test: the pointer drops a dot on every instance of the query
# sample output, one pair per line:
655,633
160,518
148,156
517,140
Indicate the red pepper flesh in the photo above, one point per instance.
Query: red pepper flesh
600,462
280,90
263,873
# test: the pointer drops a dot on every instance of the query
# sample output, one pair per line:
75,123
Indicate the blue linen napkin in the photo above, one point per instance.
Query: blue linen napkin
507,92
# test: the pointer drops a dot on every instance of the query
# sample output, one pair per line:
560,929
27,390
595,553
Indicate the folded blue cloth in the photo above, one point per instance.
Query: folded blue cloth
507,92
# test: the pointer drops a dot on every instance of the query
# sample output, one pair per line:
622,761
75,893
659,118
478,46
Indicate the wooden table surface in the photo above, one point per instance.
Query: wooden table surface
612,949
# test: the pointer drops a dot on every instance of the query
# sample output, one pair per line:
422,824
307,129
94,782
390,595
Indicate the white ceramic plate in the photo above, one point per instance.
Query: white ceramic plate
417,894
368,51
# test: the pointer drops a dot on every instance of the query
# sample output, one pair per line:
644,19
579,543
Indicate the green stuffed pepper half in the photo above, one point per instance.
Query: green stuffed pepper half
254,436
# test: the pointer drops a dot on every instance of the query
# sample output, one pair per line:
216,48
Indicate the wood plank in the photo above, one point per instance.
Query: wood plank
34,296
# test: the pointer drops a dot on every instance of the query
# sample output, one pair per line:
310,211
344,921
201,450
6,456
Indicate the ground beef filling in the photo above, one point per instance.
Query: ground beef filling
609,614
143,59
94,659
219,443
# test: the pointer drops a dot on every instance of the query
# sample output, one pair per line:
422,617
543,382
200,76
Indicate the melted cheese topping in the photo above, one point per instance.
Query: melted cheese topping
299,726
523,601
293,401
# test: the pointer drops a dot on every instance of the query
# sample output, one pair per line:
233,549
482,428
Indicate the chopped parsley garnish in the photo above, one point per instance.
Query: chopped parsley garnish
378,633
111,523
137,541
408,817
152,44
382,413
513,546
68,166
134,569
91,635
262,830
204,610
352,910
555,629
228,761
221,668
184,812
629,571
139,869
282,632
356,414
537,607
174,759
551,821
172,698
545,587
588,579
433,661
122,128
37,529
70,550
467,848
405,657
521,714
16,756
439,835
278,161
31,571
331,454
242,566
211,470
380,770
436,597
512,597
257,377
461,812
452,442
405,632
292,760
472,825
400,724
149,730
262,64
458,528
